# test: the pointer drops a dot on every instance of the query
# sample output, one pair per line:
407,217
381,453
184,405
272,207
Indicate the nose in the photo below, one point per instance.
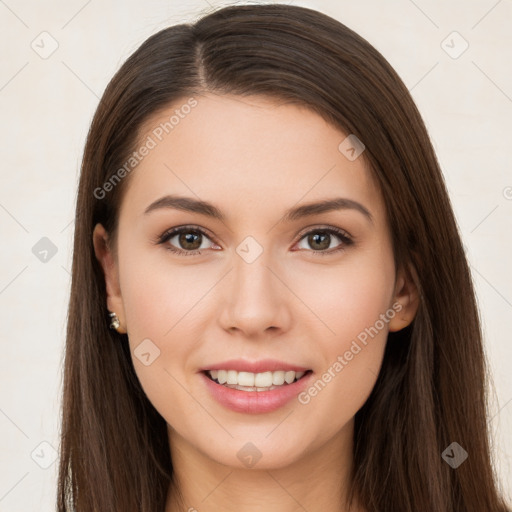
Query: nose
256,302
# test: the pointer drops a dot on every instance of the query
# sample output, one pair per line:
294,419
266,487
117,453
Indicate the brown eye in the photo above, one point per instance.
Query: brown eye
320,240
185,240
189,240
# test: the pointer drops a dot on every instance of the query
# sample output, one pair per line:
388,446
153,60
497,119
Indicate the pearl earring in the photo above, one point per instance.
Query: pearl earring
114,321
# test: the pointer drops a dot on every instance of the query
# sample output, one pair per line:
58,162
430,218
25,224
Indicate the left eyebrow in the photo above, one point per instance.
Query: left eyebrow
190,204
328,205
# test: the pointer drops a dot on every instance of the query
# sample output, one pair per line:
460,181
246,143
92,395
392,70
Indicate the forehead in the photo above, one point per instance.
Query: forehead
253,153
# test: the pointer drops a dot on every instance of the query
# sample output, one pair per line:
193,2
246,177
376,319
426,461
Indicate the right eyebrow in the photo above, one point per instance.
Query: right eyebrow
187,204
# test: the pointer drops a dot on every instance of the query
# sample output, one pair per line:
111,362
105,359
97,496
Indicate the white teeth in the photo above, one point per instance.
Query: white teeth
248,381
277,378
248,388
289,377
263,380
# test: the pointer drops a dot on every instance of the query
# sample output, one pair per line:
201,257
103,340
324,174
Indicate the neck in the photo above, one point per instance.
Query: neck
318,480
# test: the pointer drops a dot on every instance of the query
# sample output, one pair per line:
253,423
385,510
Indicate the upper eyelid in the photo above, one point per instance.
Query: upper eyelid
333,229
186,227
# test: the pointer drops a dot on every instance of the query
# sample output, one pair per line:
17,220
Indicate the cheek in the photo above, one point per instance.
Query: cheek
162,311
160,298
353,305
346,299
167,307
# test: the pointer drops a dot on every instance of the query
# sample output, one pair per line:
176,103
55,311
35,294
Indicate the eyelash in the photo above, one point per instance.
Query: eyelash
167,235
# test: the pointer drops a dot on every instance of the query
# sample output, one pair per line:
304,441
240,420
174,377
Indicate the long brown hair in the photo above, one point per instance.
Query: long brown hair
431,390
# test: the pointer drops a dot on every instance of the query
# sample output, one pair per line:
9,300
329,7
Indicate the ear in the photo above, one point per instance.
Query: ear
406,300
108,262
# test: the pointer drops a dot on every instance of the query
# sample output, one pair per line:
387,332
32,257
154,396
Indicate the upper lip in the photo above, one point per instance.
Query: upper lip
263,365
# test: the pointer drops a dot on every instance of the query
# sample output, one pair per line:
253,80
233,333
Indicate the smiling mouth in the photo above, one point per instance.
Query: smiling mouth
247,381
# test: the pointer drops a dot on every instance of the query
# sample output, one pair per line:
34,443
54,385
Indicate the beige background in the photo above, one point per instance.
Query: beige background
47,105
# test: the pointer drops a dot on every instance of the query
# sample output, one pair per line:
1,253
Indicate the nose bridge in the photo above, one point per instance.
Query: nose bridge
256,297
252,279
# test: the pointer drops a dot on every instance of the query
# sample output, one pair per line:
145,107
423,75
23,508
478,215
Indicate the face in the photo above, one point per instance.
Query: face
254,288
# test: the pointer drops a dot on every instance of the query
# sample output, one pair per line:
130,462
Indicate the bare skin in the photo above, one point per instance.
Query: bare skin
254,158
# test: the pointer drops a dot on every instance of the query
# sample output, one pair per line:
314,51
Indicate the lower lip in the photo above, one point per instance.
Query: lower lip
255,402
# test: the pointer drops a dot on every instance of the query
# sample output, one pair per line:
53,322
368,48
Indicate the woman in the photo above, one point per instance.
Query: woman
271,307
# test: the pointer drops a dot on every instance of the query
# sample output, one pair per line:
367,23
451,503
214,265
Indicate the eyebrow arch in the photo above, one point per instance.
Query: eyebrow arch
204,208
